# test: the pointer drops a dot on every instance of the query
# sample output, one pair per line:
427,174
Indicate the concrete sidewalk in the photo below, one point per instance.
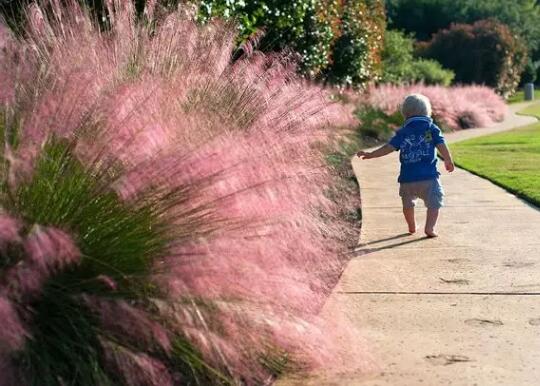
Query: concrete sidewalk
462,309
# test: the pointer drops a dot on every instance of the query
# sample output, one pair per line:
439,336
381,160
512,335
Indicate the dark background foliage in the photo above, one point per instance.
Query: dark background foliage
485,52
342,41
423,18
400,66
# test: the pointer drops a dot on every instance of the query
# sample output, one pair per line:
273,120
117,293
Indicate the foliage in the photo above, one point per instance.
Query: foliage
533,110
400,66
485,52
454,108
508,159
306,26
530,72
397,57
376,125
356,54
336,40
430,72
117,242
166,214
424,18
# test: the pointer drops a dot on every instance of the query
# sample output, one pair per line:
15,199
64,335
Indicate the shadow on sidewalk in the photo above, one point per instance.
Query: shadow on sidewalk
364,249
387,239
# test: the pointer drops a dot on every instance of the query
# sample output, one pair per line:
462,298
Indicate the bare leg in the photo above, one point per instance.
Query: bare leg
431,221
409,217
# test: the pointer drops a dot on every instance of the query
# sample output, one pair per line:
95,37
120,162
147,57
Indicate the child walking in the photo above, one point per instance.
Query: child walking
416,142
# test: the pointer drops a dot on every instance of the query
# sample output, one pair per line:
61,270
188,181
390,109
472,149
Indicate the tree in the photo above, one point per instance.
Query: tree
400,66
424,18
356,54
485,52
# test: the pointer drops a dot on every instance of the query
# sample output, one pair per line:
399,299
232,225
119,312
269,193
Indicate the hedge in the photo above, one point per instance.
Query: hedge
485,52
339,41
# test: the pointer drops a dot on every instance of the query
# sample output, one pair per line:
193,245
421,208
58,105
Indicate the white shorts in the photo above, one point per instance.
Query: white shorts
430,191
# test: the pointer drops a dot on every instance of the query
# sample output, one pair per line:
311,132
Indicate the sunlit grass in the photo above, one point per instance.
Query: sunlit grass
519,96
509,159
533,110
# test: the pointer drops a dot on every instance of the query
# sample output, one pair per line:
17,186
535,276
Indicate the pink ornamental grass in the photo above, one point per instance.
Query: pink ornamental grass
12,333
458,107
137,369
228,155
50,249
9,230
124,320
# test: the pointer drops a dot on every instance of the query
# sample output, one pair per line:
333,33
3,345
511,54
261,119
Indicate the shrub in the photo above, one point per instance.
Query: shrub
356,54
376,125
399,65
165,213
336,40
397,57
483,53
431,72
454,108
308,27
424,18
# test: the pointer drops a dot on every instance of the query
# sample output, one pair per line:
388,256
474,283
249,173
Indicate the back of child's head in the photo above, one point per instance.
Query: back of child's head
416,105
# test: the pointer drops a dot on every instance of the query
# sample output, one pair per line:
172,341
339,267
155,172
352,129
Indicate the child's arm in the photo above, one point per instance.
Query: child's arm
447,157
380,152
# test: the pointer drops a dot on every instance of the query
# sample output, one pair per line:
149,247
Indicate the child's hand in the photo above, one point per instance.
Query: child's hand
363,154
449,165
380,152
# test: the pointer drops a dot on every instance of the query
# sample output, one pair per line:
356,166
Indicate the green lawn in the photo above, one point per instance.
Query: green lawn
533,110
510,159
519,96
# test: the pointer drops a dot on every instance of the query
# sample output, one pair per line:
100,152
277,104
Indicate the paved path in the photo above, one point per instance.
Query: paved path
463,309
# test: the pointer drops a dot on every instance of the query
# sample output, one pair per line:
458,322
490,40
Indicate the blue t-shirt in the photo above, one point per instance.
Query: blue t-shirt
416,142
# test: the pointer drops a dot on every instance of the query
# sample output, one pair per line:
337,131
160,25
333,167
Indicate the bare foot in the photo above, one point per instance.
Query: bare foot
409,217
431,233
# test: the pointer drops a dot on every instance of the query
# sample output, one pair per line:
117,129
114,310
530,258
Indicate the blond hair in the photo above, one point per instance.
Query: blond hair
416,104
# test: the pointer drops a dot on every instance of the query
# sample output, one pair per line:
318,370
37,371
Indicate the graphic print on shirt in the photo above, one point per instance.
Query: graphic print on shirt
415,147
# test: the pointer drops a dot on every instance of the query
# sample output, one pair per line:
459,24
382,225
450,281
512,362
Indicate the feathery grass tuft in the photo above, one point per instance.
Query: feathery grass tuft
168,213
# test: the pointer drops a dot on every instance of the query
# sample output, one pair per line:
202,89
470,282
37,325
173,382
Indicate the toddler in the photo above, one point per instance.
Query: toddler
416,141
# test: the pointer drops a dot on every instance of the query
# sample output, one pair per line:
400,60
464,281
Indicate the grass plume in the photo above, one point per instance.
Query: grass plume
166,210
